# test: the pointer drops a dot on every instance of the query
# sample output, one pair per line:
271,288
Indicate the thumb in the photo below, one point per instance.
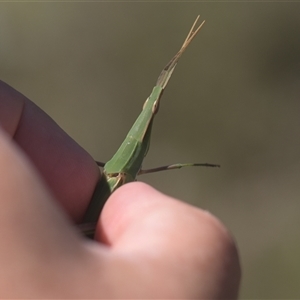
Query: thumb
186,246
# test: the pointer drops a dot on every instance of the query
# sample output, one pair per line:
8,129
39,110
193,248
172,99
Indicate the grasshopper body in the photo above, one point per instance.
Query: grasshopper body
126,164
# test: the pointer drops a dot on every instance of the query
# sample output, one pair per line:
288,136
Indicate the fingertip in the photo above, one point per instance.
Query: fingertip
122,208
68,170
134,193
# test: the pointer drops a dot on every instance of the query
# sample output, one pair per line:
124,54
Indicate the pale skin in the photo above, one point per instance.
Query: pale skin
148,245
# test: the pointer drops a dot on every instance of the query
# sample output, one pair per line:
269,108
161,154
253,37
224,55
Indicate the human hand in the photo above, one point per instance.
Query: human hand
149,245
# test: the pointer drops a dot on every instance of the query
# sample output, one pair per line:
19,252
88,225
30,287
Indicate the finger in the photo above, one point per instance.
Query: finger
68,170
188,246
41,256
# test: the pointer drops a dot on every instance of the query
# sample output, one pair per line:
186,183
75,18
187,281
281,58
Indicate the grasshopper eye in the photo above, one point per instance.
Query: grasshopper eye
145,103
155,107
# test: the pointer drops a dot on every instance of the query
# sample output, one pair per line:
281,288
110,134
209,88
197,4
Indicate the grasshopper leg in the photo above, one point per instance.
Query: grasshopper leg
177,166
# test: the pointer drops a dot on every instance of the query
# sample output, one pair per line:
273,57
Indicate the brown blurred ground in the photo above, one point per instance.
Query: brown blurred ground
233,100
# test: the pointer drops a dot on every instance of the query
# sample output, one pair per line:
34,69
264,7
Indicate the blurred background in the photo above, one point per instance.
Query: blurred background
233,100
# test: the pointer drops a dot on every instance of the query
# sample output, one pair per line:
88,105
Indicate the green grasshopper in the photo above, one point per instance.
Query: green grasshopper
126,164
